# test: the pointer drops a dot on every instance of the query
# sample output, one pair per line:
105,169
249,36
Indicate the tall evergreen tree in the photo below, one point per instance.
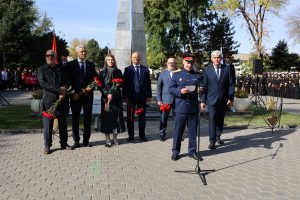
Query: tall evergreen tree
218,34
279,56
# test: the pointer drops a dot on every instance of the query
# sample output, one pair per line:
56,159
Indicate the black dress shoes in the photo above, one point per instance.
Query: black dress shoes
67,147
130,139
162,138
175,157
76,145
86,144
219,141
47,150
211,146
144,139
194,156
108,144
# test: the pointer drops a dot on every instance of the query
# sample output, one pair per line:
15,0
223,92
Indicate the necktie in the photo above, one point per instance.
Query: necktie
137,80
82,69
138,72
171,74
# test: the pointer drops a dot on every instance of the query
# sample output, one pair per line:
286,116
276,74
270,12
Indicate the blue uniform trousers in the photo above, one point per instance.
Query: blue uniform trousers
181,119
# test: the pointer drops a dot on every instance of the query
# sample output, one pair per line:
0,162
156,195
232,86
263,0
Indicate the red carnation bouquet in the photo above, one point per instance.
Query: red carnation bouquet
116,83
95,84
165,107
50,113
139,111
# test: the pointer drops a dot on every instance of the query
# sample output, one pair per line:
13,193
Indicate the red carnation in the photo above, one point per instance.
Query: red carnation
165,107
117,80
48,115
97,81
139,111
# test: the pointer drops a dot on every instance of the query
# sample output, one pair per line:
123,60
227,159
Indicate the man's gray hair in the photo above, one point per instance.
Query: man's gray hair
81,46
216,53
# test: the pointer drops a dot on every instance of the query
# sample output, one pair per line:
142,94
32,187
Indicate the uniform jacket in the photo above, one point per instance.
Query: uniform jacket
187,103
163,84
215,89
144,84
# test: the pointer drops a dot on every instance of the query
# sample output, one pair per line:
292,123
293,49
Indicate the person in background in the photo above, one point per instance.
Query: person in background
164,96
65,103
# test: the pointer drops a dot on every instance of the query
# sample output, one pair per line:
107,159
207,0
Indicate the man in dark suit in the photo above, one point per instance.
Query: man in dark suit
184,86
82,73
218,85
136,92
65,103
164,96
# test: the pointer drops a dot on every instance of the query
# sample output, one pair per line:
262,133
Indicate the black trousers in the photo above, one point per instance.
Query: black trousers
131,108
85,103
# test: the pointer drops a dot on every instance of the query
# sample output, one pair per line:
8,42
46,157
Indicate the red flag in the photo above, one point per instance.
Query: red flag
54,45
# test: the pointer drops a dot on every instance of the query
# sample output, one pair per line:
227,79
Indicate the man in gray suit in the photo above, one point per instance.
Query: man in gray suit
164,96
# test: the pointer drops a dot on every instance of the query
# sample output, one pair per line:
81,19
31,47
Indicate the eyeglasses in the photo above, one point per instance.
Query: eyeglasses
51,55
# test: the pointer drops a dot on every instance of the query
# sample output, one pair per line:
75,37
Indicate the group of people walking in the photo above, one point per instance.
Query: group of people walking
182,92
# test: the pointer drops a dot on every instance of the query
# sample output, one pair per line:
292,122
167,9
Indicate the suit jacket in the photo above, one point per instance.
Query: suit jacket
163,84
65,74
185,103
214,89
76,80
144,84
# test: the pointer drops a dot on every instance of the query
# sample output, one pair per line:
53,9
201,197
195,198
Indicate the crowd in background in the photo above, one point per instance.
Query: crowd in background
19,79
285,84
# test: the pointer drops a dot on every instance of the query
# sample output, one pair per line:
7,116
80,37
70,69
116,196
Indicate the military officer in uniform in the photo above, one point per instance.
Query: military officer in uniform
184,87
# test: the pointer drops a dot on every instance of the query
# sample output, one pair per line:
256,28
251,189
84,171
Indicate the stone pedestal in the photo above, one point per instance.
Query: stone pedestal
130,33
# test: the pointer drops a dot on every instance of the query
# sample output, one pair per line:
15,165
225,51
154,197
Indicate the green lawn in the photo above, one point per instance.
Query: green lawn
287,119
18,117
21,117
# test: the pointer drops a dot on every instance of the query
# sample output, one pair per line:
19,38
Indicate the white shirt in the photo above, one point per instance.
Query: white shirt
216,70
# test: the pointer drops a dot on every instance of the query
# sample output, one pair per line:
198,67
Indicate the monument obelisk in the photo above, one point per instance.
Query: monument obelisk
130,32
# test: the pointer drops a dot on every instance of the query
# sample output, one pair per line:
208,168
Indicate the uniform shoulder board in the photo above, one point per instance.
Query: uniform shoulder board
177,70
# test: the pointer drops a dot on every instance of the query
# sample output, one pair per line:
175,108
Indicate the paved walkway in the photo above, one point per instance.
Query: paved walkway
252,164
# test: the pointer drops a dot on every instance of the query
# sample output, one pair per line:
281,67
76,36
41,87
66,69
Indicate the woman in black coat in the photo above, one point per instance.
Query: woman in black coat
112,119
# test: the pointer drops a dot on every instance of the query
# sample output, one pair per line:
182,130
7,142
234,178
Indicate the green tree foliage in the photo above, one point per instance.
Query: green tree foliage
170,26
73,44
93,50
279,56
218,33
39,46
254,13
44,25
177,26
16,21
